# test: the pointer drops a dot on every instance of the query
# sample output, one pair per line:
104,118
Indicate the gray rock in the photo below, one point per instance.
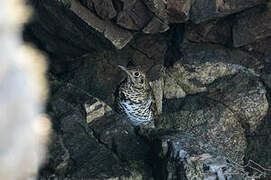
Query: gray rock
73,30
105,9
155,26
192,78
156,78
170,11
206,52
119,37
134,15
187,157
262,49
116,133
217,31
227,101
179,11
203,10
257,23
258,148
96,109
158,8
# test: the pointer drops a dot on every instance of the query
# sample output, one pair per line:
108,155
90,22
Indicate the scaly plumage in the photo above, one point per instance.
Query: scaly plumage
134,98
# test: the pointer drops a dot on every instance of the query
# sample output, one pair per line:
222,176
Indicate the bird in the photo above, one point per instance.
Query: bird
134,98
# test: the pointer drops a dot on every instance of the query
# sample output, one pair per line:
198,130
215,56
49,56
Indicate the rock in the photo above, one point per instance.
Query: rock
88,4
74,30
185,157
191,79
119,37
204,10
96,66
149,50
217,31
172,89
119,135
158,7
96,109
105,9
170,11
179,11
155,26
227,101
258,149
261,49
156,78
58,158
134,15
257,23
204,52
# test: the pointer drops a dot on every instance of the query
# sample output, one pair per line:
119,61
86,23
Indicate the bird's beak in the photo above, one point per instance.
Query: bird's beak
125,70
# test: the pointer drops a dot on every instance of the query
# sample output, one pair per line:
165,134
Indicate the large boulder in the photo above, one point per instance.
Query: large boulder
216,101
183,156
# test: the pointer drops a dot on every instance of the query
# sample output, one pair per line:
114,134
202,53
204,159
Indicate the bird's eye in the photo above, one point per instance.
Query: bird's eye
136,74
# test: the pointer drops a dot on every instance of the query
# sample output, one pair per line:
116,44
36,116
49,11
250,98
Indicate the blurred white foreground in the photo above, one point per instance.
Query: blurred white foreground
23,128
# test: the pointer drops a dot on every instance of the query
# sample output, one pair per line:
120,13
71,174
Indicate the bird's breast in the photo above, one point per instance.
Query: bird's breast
137,113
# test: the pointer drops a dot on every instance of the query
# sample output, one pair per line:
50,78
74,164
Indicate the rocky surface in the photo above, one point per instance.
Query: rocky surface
178,158
203,10
257,26
221,102
208,62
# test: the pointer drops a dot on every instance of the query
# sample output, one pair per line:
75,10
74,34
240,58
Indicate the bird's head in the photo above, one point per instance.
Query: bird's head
135,77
